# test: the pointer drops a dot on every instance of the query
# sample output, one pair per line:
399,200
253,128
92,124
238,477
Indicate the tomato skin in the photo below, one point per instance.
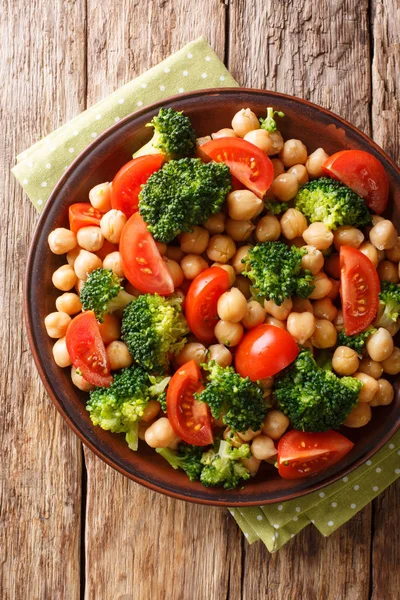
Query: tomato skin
363,173
302,454
128,182
247,163
264,351
183,408
83,214
141,261
86,349
359,289
201,302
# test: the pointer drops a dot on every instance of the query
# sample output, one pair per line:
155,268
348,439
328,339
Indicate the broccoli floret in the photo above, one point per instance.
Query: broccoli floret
238,399
275,271
183,193
356,342
276,207
119,407
332,203
313,398
389,305
174,136
103,293
187,458
224,467
269,123
154,327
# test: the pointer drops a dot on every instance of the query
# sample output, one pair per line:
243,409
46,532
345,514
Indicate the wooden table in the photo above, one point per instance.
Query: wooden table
71,527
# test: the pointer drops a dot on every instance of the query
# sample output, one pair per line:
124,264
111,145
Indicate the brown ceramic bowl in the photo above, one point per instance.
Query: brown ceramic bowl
209,111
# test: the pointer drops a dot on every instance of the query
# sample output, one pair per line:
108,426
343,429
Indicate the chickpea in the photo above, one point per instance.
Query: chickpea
232,437
79,286
160,434
243,284
333,294
229,269
313,260
118,355
369,250
249,435
315,161
174,253
100,197
110,329
64,278
279,167
232,305
241,254
225,132
293,224
61,240
275,424
383,235
301,173
385,393
252,464
220,354
196,241
215,223
254,315
369,389
85,263
275,322
293,153
79,382
69,303
192,265
260,138
267,382
192,351
347,236
244,121
359,415
239,231
175,271
113,262
229,334
244,205
391,365
325,334
285,187
338,321
263,447
301,326
221,248
56,324
268,229
393,254
90,238
332,266
279,312
388,271
370,367
60,353
72,254
318,235
277,143
345,361
301,305
325,309
111,225
380,345
151,411
323,286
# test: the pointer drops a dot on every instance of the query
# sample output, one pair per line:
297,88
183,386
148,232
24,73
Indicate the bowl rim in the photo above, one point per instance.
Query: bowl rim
154,106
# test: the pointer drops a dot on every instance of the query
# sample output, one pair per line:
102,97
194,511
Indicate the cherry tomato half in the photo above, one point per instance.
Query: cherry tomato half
359,290
141,261
86,349
363,173
201,302
264,351
83,214
303,454
247,163
190,419
129,180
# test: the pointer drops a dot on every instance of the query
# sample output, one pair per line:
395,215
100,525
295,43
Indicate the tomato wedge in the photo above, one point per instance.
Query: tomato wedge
141,261
264,351
201,302
83,214
363,173
303,454
86,349
129,180
247,163
359,290
190,419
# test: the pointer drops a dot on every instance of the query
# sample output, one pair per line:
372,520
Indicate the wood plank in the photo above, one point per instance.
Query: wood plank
140,544
43,78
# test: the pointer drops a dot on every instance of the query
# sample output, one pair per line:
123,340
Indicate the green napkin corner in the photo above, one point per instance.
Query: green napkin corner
38,169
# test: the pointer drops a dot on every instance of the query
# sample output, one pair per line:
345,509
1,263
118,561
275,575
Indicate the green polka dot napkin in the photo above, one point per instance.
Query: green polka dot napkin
38,169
